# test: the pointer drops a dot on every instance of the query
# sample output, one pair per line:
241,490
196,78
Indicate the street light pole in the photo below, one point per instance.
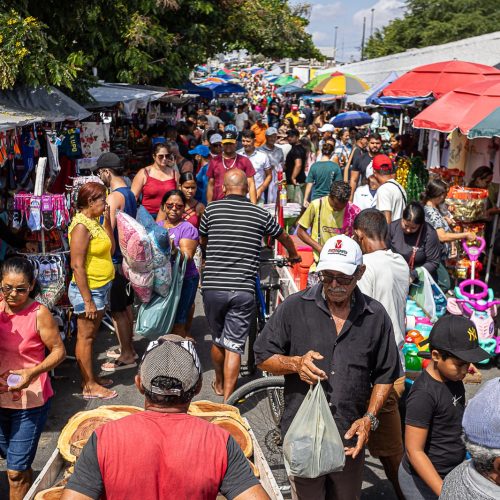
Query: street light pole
335,46
363,40
371,23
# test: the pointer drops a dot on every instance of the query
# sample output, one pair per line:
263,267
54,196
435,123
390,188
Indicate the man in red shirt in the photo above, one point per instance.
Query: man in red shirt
229,159
162,452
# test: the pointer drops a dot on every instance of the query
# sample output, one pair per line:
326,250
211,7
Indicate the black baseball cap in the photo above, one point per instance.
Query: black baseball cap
229,137
458,336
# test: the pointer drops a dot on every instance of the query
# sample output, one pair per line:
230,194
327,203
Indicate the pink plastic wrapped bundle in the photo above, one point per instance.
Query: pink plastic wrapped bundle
135,243
142,282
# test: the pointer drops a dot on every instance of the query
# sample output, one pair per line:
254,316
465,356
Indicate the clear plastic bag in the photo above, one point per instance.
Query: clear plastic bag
312,446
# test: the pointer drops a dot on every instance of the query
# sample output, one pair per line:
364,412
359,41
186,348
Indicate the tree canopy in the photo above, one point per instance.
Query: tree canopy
139,41
428,22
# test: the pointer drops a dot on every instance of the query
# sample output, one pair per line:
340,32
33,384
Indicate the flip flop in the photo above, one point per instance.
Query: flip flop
96,396
117,366
213,388
116,353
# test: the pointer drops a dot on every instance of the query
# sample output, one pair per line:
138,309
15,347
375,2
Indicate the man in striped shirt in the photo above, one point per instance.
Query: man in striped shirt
231,230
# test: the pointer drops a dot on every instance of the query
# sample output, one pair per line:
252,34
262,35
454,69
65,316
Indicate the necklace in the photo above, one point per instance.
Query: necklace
224,163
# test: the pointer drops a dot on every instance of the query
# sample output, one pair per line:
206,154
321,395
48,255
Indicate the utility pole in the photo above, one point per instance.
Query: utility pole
371,23
335,46
363,40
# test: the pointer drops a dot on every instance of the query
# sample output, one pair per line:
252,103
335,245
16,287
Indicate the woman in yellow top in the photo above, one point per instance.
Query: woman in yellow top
91,247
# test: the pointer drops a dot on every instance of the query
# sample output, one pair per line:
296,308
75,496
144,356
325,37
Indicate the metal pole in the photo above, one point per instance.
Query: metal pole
363,40
492,241
335,46
371,23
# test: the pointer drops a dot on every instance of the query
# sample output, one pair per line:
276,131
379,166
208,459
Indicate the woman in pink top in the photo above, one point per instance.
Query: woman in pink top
27,330
154,181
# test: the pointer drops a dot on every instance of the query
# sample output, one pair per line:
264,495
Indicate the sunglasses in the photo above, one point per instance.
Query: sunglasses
7,290
168,157
341,280
178,206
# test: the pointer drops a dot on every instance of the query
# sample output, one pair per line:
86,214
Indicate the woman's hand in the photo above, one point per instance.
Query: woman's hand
27,376
90,309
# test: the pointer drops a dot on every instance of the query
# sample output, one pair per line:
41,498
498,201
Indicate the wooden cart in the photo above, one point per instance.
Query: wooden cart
52,470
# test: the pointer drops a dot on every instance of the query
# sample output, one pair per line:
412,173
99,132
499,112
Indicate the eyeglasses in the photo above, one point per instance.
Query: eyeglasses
168,157
217,145
172,205
7,290
341,280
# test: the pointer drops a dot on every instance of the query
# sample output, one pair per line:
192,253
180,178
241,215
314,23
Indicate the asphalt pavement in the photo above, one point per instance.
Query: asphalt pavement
67,401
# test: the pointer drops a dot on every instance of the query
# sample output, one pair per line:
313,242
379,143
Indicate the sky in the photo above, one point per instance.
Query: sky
348,16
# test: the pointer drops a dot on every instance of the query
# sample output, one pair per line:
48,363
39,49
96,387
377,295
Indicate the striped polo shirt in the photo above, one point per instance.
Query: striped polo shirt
235,228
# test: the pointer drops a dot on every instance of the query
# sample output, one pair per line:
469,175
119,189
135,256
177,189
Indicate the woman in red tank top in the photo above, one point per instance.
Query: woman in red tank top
194,209
155,180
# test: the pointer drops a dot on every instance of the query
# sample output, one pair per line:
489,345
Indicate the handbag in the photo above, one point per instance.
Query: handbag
157,317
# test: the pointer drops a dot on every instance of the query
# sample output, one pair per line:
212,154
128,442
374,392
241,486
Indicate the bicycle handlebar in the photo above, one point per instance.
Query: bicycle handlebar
277,261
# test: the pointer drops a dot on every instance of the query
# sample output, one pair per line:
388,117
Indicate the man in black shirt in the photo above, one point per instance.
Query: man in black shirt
359,149
295,165
358,171
335,333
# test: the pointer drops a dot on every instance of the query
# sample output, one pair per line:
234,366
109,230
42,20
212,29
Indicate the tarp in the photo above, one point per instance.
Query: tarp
107,95
488,127
24,105
366,98
225,88
292,89
191,88
398,102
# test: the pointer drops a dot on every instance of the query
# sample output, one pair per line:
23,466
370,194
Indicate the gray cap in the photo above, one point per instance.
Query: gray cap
216,139
271,131
108,160
170,356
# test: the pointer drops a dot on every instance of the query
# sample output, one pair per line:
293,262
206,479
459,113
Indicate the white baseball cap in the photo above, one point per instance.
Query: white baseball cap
340,253
216,139
327,127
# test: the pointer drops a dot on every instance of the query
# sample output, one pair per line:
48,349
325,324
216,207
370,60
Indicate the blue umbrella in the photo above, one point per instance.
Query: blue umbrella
351,119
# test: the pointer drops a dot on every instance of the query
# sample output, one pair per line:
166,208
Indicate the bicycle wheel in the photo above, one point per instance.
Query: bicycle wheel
261,403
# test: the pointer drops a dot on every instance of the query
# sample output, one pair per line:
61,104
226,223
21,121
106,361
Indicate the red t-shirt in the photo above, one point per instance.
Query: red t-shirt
217,168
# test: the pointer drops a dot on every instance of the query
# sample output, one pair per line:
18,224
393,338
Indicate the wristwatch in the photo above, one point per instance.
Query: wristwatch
374,421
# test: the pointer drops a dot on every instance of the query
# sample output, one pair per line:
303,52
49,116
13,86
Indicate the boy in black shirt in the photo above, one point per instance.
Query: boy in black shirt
435,408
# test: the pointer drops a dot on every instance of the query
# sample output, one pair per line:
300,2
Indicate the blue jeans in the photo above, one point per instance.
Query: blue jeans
20,432
188,294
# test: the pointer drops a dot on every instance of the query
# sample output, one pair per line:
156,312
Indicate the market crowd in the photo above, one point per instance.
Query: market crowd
213,182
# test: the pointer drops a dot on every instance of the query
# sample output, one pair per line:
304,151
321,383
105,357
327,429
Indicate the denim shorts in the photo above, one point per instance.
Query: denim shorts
100,296
20,432
188,294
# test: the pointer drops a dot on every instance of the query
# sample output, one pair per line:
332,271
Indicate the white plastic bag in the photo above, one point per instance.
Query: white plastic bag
312,446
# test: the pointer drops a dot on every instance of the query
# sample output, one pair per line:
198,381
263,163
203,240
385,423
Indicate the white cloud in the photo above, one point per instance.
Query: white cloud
385,11
320,37
325,12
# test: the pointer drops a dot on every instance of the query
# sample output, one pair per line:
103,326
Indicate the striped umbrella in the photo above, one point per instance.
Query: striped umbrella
337,83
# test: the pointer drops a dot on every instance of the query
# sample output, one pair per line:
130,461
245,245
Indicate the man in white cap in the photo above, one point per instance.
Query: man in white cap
334,333
174,454
276,160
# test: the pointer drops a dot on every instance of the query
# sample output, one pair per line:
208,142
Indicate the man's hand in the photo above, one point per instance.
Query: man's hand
308,371
360,428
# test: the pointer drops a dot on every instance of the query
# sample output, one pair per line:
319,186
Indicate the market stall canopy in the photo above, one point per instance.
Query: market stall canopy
321,97
351,119
203,92
461,108
337,83
439,78
366,98
292,89
225,88
24,105
108,95
288,80
488,127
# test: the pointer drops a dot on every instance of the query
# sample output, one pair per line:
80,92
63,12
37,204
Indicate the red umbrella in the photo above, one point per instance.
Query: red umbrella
439,78
461,108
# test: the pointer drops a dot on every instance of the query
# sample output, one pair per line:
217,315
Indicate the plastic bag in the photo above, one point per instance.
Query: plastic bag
427,294
312,446
157,317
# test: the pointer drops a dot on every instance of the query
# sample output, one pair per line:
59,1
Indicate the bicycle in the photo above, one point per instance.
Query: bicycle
261,401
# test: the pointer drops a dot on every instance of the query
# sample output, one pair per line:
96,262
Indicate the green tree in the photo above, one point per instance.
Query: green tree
146,41
428,22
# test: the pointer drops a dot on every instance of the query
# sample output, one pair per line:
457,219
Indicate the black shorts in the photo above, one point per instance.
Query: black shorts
229,314
121,295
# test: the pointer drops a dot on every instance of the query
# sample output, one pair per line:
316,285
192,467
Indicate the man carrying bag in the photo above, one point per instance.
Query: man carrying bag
335,333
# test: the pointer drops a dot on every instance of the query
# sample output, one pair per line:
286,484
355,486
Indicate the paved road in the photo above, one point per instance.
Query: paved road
67,402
